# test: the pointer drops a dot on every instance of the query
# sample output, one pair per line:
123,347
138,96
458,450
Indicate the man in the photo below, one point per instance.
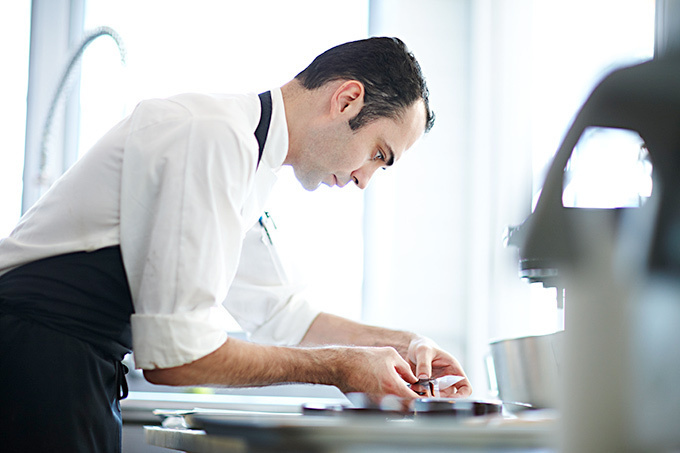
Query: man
137,246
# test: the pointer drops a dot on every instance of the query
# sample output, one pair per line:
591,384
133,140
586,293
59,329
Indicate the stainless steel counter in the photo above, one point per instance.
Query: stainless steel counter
137,409
246,431
359,436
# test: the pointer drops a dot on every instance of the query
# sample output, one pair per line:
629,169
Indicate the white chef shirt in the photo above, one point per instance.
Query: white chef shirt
175,185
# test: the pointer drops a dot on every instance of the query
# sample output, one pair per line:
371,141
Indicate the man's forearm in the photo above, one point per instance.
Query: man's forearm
237,363
335,351
328,329
241,363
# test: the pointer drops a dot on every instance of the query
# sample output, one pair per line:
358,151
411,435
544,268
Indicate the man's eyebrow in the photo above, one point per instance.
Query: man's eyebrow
390,155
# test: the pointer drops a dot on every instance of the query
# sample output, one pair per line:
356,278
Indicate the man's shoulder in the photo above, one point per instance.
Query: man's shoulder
235,111
227,107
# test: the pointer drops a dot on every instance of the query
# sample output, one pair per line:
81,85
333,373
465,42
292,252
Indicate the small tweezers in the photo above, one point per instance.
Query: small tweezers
424,387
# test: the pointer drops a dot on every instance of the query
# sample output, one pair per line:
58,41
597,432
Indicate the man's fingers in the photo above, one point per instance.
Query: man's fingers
404,370
464,388
423,355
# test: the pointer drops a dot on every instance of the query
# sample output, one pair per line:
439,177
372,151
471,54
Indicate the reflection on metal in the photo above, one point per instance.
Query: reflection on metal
609,168
62,92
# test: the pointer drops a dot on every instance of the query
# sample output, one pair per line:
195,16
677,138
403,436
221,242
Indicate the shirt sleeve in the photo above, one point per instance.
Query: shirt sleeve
184,182
264,299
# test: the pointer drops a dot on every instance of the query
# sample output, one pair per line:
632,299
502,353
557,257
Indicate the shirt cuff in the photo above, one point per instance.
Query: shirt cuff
287,326
170,340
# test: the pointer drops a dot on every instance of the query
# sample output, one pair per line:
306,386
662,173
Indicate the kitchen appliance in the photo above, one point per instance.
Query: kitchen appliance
619,266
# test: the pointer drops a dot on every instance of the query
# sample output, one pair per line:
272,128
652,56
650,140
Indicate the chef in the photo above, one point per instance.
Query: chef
157,232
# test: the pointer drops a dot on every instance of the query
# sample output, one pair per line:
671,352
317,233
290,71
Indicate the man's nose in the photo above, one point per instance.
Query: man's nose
363,175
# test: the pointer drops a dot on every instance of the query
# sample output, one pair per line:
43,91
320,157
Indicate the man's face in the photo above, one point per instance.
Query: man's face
335,155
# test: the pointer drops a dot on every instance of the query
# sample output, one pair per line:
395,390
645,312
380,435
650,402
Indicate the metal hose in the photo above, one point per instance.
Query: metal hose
64,83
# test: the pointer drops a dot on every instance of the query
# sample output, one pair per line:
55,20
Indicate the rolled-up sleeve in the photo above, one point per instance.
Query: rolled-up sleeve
183,184
264,299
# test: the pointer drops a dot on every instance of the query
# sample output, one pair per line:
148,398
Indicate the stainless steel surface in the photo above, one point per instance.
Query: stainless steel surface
140,406
457,408
527,369
258,424
354,434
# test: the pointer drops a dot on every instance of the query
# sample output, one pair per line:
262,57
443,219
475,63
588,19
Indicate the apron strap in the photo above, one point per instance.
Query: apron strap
265,120
121,382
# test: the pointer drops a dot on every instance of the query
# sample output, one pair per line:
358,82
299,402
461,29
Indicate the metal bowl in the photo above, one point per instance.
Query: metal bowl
526,369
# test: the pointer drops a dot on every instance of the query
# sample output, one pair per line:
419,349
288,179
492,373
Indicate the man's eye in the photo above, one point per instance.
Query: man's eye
379,156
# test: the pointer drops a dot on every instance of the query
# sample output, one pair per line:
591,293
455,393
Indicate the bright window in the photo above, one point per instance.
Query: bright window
15,23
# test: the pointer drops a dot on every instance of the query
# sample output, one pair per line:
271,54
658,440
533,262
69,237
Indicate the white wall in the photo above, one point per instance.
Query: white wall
505,79
413,211
440,213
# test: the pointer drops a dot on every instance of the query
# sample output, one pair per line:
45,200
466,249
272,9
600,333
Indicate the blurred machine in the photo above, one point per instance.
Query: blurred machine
620,268
645,99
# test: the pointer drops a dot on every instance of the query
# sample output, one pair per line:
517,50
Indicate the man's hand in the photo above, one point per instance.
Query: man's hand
428,361
377,371
425,358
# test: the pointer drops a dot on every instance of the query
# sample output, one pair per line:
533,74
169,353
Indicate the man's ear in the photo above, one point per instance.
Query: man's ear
348,98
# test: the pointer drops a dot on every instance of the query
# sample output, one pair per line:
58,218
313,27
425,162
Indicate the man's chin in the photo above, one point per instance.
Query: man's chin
309,186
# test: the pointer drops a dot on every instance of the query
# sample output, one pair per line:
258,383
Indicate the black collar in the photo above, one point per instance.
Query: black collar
265,119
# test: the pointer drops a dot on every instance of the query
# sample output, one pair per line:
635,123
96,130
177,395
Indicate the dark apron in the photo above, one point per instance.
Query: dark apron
64,329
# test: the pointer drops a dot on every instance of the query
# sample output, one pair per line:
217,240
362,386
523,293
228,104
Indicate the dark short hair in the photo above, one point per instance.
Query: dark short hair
391,76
